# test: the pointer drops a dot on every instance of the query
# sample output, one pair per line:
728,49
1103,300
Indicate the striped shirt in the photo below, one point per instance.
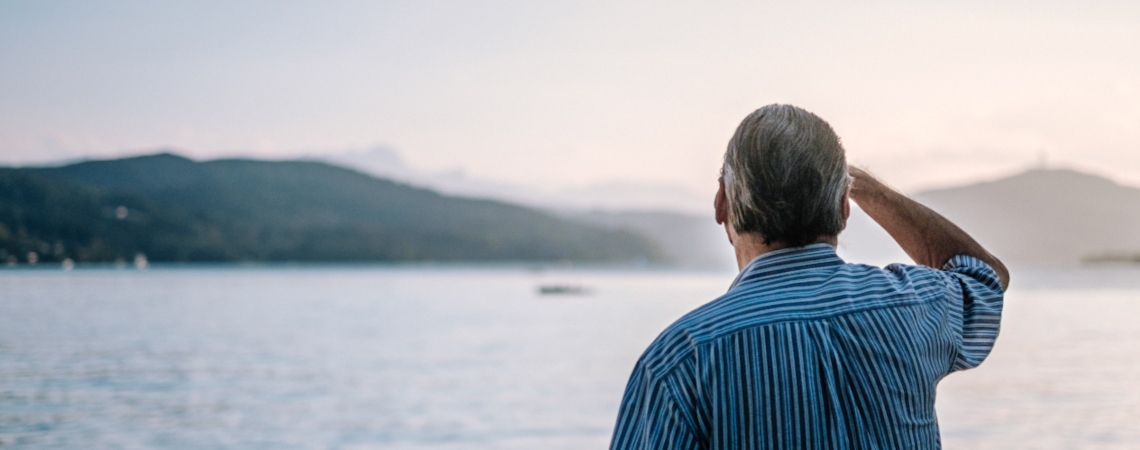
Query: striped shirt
807,351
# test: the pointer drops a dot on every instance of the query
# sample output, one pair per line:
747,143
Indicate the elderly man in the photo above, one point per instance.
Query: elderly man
806,350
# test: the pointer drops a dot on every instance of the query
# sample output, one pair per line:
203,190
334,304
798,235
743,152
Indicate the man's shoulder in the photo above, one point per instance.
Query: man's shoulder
811,295
794,297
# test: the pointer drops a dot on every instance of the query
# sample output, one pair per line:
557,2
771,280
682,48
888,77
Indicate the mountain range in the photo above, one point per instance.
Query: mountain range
1039,217
171,208
174,209
387,163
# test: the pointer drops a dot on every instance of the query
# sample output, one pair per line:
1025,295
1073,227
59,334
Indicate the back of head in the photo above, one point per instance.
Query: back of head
785,174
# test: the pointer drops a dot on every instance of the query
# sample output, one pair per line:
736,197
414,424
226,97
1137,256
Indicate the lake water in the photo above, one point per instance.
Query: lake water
471,358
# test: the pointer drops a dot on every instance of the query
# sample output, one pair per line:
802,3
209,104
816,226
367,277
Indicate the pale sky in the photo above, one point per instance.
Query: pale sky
567,94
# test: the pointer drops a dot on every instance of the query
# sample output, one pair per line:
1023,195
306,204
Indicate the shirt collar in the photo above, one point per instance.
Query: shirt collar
788,260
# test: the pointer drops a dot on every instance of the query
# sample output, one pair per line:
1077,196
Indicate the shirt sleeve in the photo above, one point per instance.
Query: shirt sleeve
650,417
975,296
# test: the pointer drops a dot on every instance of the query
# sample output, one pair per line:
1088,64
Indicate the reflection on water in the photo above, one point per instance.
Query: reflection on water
470,358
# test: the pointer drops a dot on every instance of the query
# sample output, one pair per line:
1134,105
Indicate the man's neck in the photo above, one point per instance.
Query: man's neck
750,246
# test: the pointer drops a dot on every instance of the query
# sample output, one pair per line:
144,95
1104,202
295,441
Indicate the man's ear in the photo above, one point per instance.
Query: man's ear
721,203
846,206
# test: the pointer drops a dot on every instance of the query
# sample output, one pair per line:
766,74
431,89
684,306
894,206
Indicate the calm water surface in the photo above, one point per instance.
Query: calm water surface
468,358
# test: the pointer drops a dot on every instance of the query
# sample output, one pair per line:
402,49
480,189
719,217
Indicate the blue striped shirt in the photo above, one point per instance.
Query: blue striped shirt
807,351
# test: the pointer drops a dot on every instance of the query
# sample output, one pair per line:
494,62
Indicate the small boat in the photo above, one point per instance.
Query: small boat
561,289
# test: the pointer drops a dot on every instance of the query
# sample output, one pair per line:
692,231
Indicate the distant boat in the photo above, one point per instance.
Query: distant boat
562,289
140,262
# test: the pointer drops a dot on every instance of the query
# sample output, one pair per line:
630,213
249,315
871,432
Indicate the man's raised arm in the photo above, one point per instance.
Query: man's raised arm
927,237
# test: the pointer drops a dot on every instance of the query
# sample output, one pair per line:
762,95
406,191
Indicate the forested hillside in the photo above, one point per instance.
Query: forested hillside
174,209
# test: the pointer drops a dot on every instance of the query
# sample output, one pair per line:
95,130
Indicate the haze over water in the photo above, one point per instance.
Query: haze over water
471,358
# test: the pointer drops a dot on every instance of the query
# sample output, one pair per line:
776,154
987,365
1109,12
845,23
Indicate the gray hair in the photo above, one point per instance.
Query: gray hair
785,176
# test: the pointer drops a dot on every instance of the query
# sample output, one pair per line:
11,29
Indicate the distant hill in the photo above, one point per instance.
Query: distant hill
387,163
1035,218
1045,217
174,209
689,241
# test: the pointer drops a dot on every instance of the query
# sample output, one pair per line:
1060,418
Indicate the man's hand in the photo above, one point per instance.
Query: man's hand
927,237
863,185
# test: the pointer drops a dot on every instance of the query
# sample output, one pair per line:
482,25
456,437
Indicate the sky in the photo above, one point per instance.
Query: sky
564,94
